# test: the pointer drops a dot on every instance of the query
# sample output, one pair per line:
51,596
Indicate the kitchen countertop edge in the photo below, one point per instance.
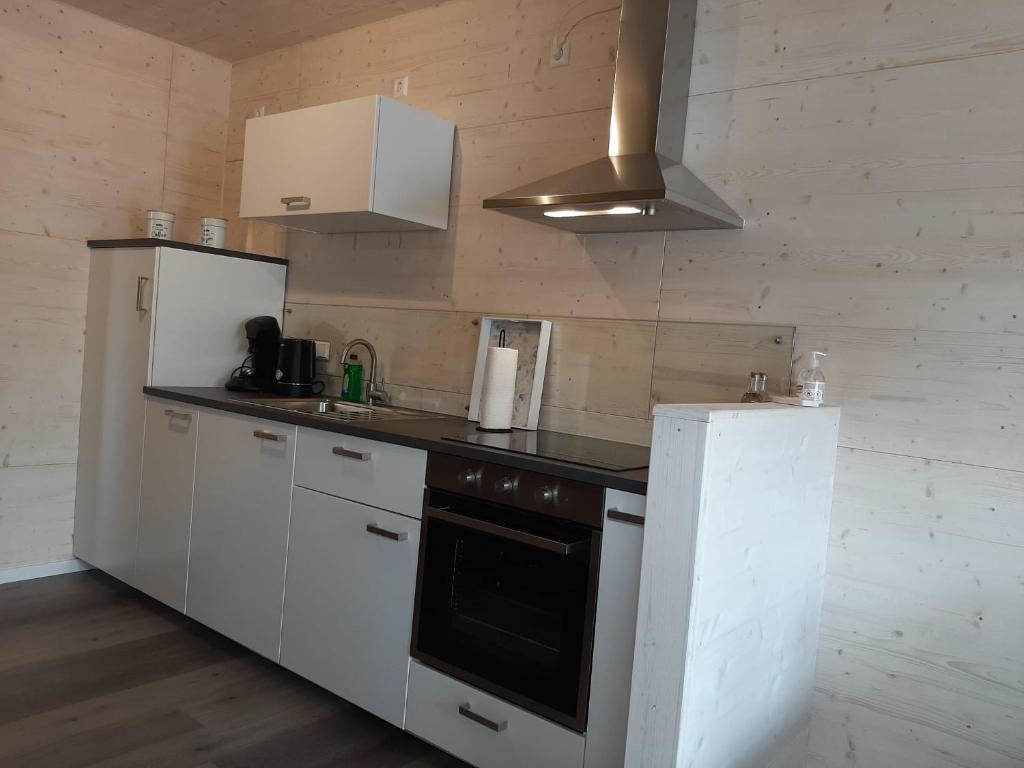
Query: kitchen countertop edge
424,434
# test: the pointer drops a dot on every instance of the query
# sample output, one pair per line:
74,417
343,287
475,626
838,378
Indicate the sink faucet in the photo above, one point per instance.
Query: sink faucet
374,390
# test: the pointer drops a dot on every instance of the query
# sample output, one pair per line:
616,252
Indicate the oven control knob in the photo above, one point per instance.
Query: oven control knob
548,495
469,477
506,485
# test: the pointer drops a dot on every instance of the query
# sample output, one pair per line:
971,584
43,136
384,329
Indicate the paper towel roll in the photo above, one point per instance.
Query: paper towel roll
498,395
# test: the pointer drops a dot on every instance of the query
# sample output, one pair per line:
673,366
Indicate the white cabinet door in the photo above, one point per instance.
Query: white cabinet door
622,544
240,528
165,508
349,600
117,354
322,155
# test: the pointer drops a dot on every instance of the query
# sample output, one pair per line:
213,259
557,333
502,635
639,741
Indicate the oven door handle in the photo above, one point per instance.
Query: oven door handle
511,534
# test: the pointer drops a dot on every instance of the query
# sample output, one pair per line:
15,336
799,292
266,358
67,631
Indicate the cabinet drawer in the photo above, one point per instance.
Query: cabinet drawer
379,474
441,710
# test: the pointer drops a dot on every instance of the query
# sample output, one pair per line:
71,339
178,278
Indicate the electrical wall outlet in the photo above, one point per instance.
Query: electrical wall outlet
559,53
323,350
401,87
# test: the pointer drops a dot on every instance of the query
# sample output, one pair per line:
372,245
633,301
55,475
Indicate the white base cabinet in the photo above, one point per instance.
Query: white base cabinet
165,507
240,514
349,600
483,730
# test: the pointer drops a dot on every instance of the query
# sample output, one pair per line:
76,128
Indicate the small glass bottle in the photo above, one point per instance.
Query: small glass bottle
756,389
810,384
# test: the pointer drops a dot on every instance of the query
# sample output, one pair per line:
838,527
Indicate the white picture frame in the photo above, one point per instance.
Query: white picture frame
532,338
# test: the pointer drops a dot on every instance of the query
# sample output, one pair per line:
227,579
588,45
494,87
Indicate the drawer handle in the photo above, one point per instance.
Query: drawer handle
376,530
345,453
497,726
300,203
625,517
177,414
273,437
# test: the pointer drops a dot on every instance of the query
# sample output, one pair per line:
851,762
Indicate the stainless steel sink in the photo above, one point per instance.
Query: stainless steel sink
339,409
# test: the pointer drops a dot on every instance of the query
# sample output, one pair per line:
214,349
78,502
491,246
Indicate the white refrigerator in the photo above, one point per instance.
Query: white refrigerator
159,316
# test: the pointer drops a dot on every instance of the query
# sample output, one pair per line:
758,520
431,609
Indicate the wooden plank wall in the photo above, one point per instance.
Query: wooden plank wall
875,150
98,124
872,148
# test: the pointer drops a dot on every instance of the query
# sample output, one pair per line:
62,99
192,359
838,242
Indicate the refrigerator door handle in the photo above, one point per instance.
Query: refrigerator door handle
140,290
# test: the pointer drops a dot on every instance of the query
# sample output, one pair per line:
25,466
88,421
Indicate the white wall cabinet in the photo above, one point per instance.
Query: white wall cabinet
240,515
165,507
365,165
349,600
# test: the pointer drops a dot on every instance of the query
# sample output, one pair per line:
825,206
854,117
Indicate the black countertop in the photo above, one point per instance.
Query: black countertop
425,434
153,242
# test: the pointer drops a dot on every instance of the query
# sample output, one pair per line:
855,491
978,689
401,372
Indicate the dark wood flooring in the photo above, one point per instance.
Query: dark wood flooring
94,674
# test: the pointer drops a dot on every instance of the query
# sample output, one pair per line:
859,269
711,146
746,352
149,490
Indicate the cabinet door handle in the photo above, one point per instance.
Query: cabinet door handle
140,289
495,725
262,434
177,414
345,453
376,530
300,203
625,517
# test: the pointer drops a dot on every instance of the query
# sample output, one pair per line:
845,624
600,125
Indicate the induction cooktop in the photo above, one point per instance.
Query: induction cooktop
571,449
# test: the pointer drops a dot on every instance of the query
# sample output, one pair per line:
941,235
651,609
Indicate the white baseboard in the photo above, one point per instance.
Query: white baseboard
43,570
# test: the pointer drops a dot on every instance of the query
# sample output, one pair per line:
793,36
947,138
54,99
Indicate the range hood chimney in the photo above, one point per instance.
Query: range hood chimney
642,185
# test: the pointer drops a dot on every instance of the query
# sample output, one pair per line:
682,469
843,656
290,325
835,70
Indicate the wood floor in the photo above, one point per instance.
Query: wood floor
94,674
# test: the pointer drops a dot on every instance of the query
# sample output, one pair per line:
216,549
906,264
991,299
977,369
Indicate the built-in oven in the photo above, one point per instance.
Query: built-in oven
507,584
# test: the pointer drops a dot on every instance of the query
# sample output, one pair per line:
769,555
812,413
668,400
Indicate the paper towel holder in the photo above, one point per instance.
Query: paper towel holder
532,338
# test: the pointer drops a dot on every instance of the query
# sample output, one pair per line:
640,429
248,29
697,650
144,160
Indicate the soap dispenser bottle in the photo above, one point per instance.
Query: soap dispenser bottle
810,384
352,383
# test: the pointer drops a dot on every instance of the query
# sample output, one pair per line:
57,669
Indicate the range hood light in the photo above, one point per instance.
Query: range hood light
571,213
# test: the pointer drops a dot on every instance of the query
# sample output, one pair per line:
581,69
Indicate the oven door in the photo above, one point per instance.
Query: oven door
505,602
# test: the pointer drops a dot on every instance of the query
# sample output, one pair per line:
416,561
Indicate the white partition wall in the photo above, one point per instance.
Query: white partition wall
738,507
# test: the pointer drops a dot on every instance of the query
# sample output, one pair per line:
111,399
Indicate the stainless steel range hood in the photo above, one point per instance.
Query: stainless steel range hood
642,185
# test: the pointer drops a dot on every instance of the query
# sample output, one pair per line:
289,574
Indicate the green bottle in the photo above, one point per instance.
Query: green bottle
352,383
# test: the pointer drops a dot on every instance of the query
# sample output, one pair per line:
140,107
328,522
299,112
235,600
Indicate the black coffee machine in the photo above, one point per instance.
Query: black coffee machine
258,372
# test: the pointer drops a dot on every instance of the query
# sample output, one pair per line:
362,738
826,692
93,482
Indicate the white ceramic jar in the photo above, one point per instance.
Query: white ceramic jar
161,225
213,232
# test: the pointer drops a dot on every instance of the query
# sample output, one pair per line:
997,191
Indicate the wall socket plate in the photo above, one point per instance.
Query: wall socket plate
559,53
323,350
401,87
